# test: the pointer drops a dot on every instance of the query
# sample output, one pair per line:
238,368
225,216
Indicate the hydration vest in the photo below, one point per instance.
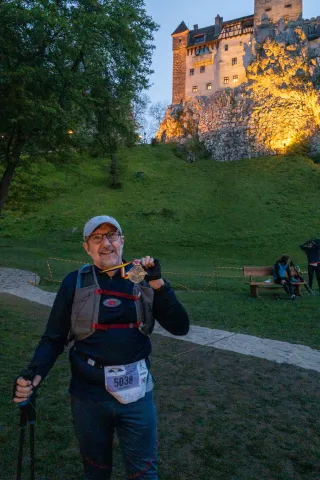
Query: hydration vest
86,304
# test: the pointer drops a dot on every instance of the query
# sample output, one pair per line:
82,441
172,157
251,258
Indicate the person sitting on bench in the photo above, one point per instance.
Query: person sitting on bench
282,275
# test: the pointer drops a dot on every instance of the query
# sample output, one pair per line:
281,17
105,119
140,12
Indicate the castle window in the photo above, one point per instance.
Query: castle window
234,61
180,40
191,71
240,44
202,50
194,89
209,86
199,39
226,80
202,69
235,79
289,5
226,47
268,9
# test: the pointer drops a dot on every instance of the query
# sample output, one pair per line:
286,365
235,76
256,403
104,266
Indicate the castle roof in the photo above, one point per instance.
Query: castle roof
212,34
181,28
209,32
247,19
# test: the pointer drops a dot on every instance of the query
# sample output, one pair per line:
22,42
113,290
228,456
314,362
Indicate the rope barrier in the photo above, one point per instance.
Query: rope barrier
49,269
203,275
52,280
79,262
173,273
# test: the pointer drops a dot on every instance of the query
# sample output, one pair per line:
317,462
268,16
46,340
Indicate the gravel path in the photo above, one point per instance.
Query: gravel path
24,284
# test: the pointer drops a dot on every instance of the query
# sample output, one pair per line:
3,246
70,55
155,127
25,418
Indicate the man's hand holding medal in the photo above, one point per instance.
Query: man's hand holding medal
147,268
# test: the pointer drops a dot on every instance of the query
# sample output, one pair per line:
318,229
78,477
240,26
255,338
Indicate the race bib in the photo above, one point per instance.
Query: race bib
127,383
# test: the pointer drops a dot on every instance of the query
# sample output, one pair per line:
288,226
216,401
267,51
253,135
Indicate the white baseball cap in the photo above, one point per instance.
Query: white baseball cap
94,223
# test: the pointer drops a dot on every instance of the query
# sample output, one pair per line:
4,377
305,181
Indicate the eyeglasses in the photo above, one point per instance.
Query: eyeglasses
97,238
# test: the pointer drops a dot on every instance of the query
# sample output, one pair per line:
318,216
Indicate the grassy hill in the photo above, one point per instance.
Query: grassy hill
194,217
204,213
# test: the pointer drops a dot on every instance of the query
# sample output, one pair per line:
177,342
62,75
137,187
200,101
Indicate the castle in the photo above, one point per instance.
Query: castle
212,58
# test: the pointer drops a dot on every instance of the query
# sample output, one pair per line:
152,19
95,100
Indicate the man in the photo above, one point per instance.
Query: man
109,318
312,250
282,275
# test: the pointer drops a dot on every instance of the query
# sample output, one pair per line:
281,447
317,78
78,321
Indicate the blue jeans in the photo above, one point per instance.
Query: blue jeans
136,427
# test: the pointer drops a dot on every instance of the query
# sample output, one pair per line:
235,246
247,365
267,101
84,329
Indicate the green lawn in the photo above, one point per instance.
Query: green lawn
195,218
222,415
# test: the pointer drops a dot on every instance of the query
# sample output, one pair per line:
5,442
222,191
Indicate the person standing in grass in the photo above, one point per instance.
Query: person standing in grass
312,250
108,311
282,275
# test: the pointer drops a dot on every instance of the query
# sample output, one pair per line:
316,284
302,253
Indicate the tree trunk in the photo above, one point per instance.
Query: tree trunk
5,183
12,163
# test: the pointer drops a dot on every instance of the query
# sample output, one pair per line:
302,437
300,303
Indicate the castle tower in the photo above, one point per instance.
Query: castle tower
274,10
179,43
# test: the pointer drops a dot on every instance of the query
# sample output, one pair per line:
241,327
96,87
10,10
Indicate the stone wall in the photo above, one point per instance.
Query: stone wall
226,127
233,125
179,67
274,10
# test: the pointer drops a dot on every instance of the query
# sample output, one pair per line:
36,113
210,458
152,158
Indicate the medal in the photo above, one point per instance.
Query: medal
137,273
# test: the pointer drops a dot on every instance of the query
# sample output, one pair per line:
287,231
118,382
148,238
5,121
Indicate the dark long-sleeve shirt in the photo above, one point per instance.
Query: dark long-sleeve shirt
108,347
312,250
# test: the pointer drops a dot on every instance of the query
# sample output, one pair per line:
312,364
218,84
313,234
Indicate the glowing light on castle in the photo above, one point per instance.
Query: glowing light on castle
248,82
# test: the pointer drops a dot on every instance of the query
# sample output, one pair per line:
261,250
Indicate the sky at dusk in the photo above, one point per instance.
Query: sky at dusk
169,13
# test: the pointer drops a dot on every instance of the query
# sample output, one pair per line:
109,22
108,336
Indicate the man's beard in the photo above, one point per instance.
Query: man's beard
111,260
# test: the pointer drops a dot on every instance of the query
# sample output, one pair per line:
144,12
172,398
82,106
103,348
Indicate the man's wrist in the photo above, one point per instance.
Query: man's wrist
156,284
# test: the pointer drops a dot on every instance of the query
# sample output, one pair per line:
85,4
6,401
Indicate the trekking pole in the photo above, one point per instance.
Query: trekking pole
32,419
297,269
27,416
23,423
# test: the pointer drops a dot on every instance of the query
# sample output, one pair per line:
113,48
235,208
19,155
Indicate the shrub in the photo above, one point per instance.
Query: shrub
115,173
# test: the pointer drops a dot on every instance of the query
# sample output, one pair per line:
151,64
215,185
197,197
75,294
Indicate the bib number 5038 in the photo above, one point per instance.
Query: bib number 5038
123,381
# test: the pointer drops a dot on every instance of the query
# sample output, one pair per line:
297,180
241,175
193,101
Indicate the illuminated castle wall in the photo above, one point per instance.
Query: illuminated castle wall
209,59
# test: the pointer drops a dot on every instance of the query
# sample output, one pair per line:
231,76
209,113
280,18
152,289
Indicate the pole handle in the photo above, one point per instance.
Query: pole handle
27,374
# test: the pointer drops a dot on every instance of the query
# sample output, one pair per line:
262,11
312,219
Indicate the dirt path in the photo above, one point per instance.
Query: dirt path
24,284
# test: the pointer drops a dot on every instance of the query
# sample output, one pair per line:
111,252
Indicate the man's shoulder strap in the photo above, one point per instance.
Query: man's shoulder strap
86,276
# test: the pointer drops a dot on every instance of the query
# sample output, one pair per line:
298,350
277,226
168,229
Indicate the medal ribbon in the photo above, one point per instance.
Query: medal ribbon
122,265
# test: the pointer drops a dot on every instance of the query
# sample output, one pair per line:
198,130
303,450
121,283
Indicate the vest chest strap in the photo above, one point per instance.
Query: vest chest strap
109,326
101,291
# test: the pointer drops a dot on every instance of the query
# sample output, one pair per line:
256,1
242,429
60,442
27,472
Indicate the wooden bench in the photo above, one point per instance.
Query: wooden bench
267,272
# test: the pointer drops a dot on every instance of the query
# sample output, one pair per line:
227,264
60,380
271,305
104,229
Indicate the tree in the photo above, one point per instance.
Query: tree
139,113
157,111
69,71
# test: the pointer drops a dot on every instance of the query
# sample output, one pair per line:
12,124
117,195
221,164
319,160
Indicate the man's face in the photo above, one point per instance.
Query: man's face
106,254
